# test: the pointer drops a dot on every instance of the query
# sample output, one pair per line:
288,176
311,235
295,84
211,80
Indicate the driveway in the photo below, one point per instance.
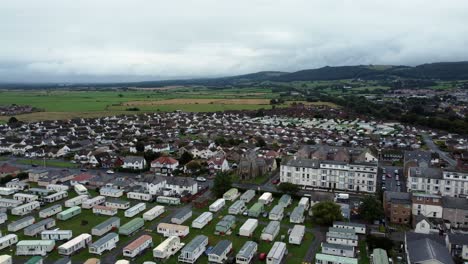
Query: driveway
430,143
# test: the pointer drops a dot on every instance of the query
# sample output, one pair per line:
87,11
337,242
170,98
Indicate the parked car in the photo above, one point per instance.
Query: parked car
275,181
265,214
201,179
110,172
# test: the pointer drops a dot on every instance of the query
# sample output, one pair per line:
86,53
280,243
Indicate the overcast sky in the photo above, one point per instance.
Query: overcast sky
114,40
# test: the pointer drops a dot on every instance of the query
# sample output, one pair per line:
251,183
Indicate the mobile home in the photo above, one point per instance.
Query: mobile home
8,240
338,250
80,189
237,208
256,210
225,225
172,230
111,192
69,213
25,197
64,260
75,201
331,259
137,246
90,203
134,210
168,200
342,238
277,213
297,215
34,247
285,200
55,197
57,187
167,248
50,211
247,196
217,205
6,259
132,226
247,253
56,235
181,216
266,198
107,242
139,196
194,249
3,218
358,228
202,220
112,223
276,253
104,210
7,191
21,223
248,228
9,203
77,243
118,204
270,231
304,202
25,208
38,227
154,212
219,254
296,235
231,195
41,192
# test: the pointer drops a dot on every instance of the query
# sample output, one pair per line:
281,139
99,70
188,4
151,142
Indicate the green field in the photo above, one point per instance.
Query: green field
51,163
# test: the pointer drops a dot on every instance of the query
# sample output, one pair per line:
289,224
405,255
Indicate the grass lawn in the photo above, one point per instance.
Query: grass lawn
51,163
363,256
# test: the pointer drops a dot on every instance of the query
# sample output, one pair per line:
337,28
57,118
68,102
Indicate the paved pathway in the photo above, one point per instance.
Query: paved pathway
430,143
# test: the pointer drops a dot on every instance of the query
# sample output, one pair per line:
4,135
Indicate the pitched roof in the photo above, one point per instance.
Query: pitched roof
428,249
165,160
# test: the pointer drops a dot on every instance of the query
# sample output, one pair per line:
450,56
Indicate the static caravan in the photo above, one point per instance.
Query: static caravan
106,226
77,243
136,209
167,248
331,259
304,202
342,238
296,235
118,204
50,211
247,196
285,200
270,231
122,261
69,213
358,228
21,223
76,201
64,260
219,254
90,203
137,246
104,210
338,250
8,240
107,242
25,197
194,249
19,185
55,197
25,208
9,203
57,187
231,195
7,191
217,205
38,227
181,216
6,259
277,213
56,235
41,192
297,215
3,218
111,192
247,253
256,210
34,247
266,198
225,225
140,196
132,226
168,200
237,208
277,253
154,212
248,228
80,189
202,220
167,230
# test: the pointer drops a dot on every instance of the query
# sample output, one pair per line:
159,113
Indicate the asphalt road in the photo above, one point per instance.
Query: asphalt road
430,143
391,183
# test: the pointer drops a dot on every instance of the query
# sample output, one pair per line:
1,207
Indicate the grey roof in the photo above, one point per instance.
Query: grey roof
455,203
341,230
192,245
418,156
302,162
398,197
349,224
65,260
39,224
22,220
337,246
107,222
182,213
53,207
117,201
422,172
458,239
220,247
342,235
247,249
428,249
104,239
271,227
133,159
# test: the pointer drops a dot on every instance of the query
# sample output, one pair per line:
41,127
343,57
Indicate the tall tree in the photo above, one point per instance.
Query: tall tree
185,158
371,208
288,187
222,183
326,212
